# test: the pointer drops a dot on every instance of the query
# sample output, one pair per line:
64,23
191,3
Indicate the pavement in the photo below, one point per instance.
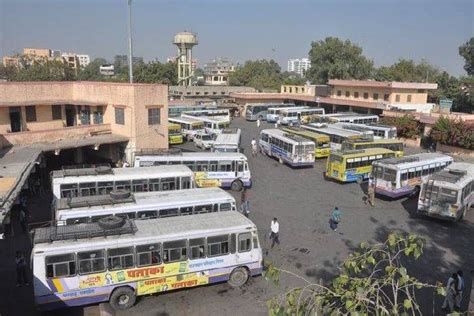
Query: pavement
302,201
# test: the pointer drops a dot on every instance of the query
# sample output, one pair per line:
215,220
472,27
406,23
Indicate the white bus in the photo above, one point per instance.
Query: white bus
349,117
189,126
102,180
228,140
87,264
377,131
226,170
259,110
299,115
448,194
140,206
289,148
336,135
364,131
397,177
212,124
273,113
220,113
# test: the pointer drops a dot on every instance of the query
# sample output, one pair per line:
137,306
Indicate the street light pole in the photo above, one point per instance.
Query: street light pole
130,51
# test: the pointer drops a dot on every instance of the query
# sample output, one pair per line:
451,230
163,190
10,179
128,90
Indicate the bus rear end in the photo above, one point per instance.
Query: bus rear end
335,167
439,202
303,154
323,148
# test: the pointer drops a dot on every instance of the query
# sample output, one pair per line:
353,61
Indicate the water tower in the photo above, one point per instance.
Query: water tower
185,42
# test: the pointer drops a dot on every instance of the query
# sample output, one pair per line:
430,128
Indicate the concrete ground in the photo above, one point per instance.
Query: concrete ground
302,201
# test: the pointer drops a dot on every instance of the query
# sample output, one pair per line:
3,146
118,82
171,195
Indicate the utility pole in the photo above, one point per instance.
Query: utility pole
130,51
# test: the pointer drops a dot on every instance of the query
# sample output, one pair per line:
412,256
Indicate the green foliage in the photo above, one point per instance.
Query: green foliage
337,59
453,132
91,71
372,281
39,70
407,126
466,50
155,72
259,74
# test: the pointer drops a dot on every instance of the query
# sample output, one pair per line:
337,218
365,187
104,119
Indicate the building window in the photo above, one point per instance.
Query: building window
356,95
376,96
397,98
284,89
120,116
302,90
99,115
296,89
421,90
348,94
154,116
386,97
30,113
56,112
366,95
339,93
409,98
291,89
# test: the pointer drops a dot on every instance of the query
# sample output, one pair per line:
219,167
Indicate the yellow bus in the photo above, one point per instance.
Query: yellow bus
392,144
322,148
174,134
354,165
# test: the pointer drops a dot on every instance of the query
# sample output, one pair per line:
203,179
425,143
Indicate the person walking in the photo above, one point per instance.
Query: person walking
23,221
20,263
253,143
277,123
335,218
460,290
451,290
258,122
274,234
371,192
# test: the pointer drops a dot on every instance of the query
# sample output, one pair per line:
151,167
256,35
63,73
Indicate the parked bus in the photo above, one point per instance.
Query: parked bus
217,113
189,126
448,194
212,169
354,165
147,205
259,111
299,115
336,135
228,141
362,143
177,110
289,148
213,124
397,177
69,183
321,141
273,113
90,263
378,131
174,134
348,117
360,128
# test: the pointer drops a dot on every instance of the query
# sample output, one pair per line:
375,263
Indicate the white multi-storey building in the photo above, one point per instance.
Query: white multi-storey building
84,60
299,66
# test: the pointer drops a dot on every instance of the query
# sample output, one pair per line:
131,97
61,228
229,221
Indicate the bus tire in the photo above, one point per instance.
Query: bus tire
111,222
237,185
238,277
122,298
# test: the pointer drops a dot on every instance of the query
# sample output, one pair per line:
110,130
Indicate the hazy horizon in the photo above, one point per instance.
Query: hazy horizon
242,30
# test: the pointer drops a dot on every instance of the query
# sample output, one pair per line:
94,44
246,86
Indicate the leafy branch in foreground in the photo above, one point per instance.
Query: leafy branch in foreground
372,281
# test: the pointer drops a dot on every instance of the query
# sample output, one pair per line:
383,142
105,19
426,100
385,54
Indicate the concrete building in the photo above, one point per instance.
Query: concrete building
299,65
71,60
107,70
206,92
37,52
351,95
11,61
84,60
217,72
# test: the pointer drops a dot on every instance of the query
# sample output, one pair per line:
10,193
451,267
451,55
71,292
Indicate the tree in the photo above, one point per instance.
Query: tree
260,74
453,132
337,59
372,281
155,72
466,50
39,69
407,126
92,71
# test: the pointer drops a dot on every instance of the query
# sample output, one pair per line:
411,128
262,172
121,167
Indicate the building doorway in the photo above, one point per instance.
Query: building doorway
70,115
15,119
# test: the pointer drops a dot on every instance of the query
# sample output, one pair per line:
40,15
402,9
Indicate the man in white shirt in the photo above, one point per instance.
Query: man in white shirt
253,143
275,229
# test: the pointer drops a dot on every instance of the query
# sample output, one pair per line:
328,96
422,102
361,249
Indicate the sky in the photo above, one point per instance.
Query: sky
387,30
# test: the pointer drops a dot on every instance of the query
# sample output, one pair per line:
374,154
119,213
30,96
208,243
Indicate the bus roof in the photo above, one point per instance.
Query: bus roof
375,141
173,126
205,118
269,104
332,130
456,173
289,137
91,174
142,199
306,133
289,107
146,231
298,109
415,160
347,115
195,155
361,152
227,139
187,120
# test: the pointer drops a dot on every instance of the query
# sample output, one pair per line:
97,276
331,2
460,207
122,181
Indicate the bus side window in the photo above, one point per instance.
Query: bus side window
87,188
217,245
225,207
120,258
240,166
147,214
122,185
201,209
185,183
61,265
197,248
154,185
91,261
105,187
130,215
213,165
188,210
148,255
245,242
68,190
233,243
169,212
174,251
168,184
140,185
